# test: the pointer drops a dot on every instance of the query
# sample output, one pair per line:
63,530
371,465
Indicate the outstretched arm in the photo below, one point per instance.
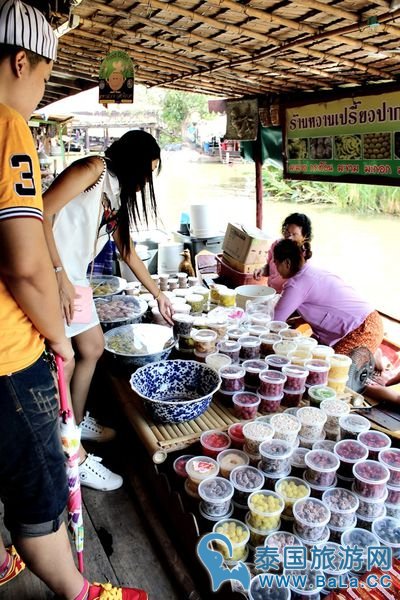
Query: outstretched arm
138,267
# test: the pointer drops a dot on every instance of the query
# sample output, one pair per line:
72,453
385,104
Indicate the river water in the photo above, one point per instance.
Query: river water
363,249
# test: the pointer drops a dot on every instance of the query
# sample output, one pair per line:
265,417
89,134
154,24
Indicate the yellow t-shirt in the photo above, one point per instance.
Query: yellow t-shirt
20,197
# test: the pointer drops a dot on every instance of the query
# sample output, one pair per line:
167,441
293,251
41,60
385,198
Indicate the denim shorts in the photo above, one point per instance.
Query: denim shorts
33,482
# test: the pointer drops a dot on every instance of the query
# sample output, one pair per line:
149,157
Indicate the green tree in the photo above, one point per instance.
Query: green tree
178,108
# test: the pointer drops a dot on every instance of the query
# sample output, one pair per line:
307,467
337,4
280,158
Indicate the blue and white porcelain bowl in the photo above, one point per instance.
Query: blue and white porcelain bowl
175,391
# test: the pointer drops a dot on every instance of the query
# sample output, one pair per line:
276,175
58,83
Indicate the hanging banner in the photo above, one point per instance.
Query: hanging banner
354,139
242,119
116,78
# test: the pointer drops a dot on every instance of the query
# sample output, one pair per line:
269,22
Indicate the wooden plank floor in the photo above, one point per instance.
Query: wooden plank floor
117,547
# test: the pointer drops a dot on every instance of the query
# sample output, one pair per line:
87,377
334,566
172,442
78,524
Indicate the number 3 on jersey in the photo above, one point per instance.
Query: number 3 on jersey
23,162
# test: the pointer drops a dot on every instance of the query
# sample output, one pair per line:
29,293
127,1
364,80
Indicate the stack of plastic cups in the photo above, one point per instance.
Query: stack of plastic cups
253,368
349,452
311,518
270,390
312,425
291,489
238,534
370,486
267,342
317,372
362,540
255,433
295,384
343,505
231,348
264,515
276,458
204,343
182,330
387,530
199,468
216,494
245,480
339,372
391,459
334,409
321,471
232,381
250,347
276,362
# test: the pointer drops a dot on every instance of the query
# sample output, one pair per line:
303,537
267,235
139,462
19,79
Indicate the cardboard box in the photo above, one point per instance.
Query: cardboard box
241,267
246,245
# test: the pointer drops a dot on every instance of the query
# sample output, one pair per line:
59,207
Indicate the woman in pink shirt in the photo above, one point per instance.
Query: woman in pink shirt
332,308
297,227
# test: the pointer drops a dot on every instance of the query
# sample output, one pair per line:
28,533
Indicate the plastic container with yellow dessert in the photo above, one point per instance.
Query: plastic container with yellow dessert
292,489
227,297
266,508
340,365
238,534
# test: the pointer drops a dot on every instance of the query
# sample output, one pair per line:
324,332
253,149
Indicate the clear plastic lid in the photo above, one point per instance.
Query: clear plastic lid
245,399
249,341
371,500
339,530
311,512
309,415
354,423
289,334
231,458
286,422
323,352
258,431
340,500
318,488
215,490
270,338
276,326
280,539
317,365
292,488
234,333
254,365
200,467
246,478
322,460
232,372
269,398
370,471
350,451
375,440
276,449
295,371
340,360
390,458
217,360
214,439
233,529
182,318
204,335
359,537
298,458
387,530
276,361
324,445
381,513
334,407
272,376
284,347
308,543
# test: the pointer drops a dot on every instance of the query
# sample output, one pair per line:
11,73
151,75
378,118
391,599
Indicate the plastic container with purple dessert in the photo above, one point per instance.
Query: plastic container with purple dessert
322,466
317,491
250,347
391,460
351,425
387,530
361,539
245,480
371,508
271,383
292,398
370,479
311,516
245,405
269,404
267,341
276,362
230,348
232,378
343,505
253,368
376,441
275,456
216,493
349,452
317,371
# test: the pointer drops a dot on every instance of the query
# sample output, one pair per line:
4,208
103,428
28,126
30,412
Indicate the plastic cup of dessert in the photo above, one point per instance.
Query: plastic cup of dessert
349,452
343,505
216,493
337,532
238,533
392,510
271,383
255,433
351,425
340,366
376,441
215,360
306,343
284,347
263,514
320,543
235,432
267,341
260,319
253,368
322,466
232,378
230,348
214,441
250,347
318,490
323,352
363,540
289,334
296,377
292,398
370,478
286,427
180,465
309,443
277,326
257,536
391,460
324,445
312,422
276,362
311,516
366,522
281,539
246,480
292,489
334,409
370,508
199,468
269,404
317,371
204,340
245,405
275,456
339,385
227,297
230,459
297,461
257,589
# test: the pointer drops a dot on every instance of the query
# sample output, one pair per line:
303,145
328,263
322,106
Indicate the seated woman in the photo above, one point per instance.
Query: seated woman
338,316
297,227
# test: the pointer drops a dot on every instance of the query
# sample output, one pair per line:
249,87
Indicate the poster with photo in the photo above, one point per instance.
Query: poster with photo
116,78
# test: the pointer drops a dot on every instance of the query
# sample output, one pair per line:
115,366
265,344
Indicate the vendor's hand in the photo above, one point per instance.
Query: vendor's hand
258,273
67,297
63,348
165,308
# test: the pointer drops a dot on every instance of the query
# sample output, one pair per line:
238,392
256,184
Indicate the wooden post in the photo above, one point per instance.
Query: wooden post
259,181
